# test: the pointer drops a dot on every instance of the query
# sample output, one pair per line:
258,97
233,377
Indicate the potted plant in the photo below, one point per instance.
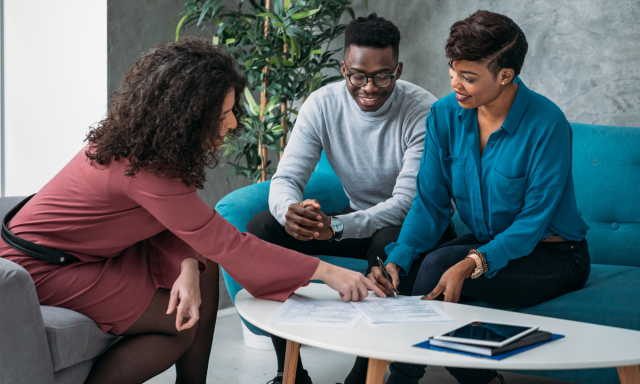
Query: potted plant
281,46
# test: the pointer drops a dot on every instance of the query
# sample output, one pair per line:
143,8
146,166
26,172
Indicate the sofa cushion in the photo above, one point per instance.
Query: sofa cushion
73,337
610,297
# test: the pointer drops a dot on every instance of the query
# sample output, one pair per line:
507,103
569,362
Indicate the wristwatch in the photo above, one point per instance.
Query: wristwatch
337,228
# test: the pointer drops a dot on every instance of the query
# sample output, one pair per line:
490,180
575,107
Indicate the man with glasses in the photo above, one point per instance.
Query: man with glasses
371,127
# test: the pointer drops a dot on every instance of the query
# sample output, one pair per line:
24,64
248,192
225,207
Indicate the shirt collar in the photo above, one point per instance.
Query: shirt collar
517,108
516,112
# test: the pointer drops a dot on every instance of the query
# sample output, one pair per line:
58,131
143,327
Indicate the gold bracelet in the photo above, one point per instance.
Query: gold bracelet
485,267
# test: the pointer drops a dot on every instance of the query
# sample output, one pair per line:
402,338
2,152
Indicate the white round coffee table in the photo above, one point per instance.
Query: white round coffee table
585,346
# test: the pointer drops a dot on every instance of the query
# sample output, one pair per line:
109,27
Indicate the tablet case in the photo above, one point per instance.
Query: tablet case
426,345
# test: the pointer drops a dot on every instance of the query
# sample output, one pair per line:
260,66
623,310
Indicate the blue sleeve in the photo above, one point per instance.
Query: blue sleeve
547,177
430,211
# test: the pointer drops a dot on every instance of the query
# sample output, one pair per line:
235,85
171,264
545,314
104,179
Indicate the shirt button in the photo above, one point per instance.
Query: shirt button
490,145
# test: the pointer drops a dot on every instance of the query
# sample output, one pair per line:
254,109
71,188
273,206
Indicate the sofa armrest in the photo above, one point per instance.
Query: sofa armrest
24,351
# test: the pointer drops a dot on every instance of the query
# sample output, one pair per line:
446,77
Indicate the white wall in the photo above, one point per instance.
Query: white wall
55,56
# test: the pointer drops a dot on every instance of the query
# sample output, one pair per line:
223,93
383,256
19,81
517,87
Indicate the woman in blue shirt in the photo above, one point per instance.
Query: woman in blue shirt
503,153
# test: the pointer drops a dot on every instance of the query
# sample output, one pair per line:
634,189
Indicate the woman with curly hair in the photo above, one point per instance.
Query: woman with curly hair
126,208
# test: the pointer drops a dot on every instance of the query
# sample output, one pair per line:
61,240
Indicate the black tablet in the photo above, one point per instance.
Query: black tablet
490,334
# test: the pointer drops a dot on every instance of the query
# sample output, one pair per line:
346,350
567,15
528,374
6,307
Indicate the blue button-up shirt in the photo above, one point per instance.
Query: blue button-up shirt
518,191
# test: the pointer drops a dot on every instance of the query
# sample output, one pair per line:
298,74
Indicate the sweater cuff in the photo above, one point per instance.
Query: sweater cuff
401,255
496,257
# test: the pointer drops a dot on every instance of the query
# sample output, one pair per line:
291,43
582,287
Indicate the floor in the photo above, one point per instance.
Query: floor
233,363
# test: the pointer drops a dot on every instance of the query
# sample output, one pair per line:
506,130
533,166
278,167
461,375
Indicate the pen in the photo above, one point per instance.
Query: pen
386,276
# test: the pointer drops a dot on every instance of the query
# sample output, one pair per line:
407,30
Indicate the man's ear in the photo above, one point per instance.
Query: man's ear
343,69
506,75
399,73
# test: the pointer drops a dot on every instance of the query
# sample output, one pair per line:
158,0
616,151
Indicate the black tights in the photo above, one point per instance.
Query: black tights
152,344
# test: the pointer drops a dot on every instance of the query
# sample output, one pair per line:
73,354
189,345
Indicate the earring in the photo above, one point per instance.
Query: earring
503,83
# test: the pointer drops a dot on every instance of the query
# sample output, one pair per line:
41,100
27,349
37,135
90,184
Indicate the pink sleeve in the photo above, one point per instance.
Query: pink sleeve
264,270
167,252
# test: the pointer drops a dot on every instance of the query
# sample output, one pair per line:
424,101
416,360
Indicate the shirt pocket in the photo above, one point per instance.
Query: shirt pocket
507,197
458,180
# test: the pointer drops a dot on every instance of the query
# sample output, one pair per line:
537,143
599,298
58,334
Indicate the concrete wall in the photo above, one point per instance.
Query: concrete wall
584,55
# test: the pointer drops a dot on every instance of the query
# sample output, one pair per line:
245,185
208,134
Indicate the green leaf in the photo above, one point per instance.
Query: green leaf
268,14
214,40
279,24
277,128
180,26
296,32
302,15
295,48
230,41
286,5
216,8
295,9
252,103
317,52
229,149
366,4
205,9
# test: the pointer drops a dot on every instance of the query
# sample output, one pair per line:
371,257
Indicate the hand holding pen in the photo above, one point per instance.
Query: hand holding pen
378,279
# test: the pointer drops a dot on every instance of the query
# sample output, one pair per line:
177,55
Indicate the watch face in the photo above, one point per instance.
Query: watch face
336,225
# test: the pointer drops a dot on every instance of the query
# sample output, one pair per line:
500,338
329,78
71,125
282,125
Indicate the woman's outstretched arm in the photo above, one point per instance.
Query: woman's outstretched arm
265,270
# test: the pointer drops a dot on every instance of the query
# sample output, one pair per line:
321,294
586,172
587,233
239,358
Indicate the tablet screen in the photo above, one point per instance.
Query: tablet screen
487,331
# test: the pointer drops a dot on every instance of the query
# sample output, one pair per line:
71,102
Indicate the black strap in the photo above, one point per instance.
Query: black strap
38,251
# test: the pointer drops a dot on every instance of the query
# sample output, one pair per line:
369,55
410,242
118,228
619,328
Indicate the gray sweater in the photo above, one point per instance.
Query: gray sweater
375,154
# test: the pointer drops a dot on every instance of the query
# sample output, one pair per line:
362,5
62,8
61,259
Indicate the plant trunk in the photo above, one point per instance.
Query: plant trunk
283,108
262,150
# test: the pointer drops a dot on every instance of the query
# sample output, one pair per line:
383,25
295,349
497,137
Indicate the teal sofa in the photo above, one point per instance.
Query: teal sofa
606,172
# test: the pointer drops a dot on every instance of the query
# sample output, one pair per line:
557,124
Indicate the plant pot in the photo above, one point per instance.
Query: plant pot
256,341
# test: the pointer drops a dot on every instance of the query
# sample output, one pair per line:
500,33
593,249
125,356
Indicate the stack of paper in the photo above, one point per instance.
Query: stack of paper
406,309
335,314
314,313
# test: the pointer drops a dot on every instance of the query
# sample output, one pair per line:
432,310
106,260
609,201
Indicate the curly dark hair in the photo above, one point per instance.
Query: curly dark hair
165,113
372,31
490,38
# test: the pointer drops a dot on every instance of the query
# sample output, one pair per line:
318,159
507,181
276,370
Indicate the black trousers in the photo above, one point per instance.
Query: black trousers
267,228
549,271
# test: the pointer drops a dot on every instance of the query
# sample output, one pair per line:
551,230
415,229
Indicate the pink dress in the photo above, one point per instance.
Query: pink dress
130,235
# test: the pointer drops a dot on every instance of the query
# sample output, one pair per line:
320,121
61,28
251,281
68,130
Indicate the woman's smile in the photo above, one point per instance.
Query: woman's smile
462,97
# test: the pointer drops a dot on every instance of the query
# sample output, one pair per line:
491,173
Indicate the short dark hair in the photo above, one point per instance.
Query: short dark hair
488,37
372,31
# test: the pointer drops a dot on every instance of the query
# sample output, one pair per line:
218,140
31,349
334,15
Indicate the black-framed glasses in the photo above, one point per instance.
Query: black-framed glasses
380,80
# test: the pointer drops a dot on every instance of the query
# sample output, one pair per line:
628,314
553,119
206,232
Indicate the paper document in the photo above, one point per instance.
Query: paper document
406,309
313,313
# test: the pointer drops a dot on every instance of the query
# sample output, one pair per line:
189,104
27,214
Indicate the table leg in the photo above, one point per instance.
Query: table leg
291,362
376,370
629,374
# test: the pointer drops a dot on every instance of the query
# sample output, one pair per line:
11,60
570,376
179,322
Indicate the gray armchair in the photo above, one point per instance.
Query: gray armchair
40,344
